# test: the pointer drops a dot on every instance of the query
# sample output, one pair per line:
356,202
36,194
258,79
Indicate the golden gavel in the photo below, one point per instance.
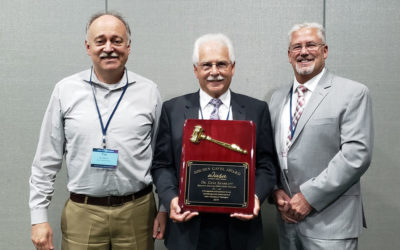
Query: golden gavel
198,134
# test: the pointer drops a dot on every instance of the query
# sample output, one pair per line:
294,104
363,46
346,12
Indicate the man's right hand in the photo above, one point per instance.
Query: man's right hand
42,236
282,201
175,212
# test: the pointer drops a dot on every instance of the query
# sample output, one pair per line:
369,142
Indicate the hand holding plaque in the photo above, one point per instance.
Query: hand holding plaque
217,176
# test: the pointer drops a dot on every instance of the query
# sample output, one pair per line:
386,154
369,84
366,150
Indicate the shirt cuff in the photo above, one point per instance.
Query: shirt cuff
162,208
38,216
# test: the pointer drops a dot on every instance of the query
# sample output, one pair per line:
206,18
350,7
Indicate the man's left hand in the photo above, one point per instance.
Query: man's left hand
159,225
299,207
245,217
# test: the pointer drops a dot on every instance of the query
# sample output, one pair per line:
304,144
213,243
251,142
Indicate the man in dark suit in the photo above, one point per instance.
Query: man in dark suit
214,66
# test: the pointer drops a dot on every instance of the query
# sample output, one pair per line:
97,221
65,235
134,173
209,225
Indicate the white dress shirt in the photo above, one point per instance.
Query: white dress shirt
224,111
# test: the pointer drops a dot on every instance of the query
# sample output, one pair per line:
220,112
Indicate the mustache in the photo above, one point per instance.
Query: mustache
108,55
308,57
215,78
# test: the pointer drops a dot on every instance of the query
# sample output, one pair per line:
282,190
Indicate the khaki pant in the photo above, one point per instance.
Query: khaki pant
130,226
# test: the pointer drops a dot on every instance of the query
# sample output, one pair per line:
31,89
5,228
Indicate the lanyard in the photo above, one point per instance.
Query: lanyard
292,130
104,129
227,117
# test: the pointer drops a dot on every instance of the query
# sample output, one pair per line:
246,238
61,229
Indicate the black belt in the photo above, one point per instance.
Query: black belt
110,201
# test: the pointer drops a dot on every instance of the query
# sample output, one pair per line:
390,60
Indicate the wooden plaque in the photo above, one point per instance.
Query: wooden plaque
217,166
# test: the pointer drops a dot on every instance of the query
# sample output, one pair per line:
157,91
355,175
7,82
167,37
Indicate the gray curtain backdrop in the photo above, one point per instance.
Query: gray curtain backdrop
43,42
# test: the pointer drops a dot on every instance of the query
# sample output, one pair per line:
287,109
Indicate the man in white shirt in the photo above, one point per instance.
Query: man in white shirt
103,121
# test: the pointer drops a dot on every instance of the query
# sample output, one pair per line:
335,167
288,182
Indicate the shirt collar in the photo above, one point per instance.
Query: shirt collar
206,98
120,84
310,84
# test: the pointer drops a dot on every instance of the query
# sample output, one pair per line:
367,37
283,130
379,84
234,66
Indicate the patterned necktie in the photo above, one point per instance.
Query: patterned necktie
301,90
216,103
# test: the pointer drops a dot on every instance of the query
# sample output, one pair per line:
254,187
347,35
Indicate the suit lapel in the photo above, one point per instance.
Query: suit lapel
321,90
192,106
238,108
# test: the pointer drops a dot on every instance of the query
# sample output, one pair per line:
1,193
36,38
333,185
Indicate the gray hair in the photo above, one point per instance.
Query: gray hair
114,14
221,38
320,30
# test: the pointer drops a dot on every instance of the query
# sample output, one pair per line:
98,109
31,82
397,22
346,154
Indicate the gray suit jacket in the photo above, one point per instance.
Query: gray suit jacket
331,150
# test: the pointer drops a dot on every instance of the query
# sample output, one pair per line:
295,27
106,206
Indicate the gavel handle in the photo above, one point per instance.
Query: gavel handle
233,147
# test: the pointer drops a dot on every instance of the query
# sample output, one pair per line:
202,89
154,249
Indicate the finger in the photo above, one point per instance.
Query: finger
51,246
176,215
256,209
291,218
284,208
281,202
288,219
287,206
243,217
160,234
174,205
190,216
178,209
179,217
281,209
302,217
298,213
292,212
173,215
283,217
40,243
156,228
283,205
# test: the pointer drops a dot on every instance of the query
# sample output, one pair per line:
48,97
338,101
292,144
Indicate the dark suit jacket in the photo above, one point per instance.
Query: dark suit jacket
166,167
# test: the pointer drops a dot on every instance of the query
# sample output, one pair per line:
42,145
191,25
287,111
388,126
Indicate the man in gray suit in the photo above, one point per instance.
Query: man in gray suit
324,137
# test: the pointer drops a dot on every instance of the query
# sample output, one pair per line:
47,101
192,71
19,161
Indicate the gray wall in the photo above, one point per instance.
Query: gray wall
42,42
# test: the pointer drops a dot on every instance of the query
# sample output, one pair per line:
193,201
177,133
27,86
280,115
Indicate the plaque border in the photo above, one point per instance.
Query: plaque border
220,163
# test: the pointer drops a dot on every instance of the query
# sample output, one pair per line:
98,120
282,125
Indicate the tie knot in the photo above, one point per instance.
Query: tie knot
301,90
216,102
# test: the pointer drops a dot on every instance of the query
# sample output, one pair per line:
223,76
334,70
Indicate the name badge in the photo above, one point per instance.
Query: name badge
104,158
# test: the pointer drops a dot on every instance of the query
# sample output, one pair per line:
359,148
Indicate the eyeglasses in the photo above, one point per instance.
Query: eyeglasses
221,66
310,46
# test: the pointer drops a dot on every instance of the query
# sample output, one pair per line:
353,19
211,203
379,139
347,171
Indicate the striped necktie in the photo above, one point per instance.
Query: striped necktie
300,90
215,113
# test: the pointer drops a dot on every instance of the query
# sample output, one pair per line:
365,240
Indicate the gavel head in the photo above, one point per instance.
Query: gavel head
196,135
